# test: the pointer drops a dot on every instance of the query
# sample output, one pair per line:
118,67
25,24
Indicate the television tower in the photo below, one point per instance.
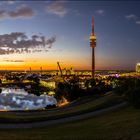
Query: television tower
93,45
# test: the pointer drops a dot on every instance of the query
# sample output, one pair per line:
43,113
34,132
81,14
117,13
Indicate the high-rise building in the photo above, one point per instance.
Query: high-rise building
93,45
138,67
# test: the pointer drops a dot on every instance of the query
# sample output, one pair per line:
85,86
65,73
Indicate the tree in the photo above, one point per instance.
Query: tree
130,89
69,90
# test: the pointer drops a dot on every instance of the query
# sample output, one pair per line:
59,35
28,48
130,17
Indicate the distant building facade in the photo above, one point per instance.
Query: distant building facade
138,67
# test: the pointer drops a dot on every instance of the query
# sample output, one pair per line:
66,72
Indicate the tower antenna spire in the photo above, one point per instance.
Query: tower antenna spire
92,25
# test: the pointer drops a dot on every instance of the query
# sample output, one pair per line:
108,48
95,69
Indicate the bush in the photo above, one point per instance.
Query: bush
136,97
71,90
130,89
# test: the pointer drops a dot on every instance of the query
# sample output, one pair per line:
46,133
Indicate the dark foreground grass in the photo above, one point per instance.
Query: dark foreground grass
22,117
123,124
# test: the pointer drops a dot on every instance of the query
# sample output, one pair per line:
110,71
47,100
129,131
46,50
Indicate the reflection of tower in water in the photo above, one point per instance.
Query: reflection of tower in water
93,45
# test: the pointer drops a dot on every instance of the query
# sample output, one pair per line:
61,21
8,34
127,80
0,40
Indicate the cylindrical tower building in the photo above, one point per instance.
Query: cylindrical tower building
93,45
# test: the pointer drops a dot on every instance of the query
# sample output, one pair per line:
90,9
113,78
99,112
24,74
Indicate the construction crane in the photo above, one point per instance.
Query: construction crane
61,73
30,69
41,70
60,69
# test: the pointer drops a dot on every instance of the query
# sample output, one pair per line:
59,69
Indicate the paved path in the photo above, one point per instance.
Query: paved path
62,120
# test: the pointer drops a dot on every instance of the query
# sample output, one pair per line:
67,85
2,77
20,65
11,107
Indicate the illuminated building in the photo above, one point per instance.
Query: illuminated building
93,45
138,67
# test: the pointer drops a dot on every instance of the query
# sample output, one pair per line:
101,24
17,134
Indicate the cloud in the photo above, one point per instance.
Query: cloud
138,22
57,8
134,18
76,12
50,41
100,12
19,42
13,60
131,17
21,11
10,2
3,14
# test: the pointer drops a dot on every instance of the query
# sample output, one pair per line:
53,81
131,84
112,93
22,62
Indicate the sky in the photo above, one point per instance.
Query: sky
39,33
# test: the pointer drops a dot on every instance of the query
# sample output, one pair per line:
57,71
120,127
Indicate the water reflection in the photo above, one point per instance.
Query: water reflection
14,90
19,99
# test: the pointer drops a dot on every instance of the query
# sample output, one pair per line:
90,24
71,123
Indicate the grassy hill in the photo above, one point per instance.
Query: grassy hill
75,108
123,124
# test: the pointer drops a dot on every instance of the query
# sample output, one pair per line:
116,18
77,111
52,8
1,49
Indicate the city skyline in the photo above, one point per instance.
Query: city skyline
44,32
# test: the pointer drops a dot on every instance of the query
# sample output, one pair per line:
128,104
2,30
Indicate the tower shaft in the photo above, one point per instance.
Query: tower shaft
93,62
93,45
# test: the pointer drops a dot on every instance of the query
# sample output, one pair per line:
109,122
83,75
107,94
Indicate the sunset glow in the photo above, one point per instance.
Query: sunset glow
39,33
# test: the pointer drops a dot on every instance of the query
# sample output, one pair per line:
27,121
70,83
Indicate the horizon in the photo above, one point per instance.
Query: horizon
40,33
43,70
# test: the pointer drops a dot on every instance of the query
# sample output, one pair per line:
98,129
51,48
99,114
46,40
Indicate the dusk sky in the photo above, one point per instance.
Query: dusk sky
40,33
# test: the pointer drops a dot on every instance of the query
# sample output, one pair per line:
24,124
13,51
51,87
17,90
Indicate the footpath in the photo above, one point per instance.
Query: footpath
62,120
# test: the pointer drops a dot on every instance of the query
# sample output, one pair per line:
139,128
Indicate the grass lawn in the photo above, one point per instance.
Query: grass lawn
100,103
123,124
